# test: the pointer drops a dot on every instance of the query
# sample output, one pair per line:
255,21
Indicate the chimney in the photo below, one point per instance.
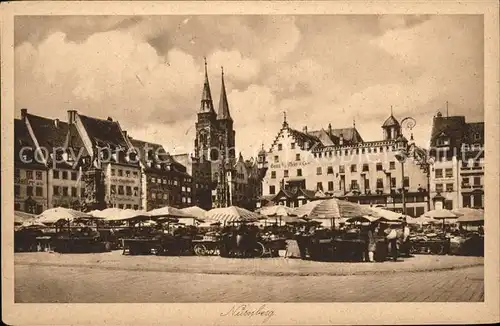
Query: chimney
110,119
24,113
304,130
330,129
341,140
125,134
71,116
56,123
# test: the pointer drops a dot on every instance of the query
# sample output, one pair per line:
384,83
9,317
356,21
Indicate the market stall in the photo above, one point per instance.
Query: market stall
239,238
75,231
331,242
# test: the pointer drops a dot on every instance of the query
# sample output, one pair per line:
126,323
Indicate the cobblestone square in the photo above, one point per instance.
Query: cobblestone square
113,278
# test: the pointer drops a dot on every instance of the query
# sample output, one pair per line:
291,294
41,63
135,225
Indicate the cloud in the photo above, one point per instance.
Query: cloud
111,70
147,72
235,66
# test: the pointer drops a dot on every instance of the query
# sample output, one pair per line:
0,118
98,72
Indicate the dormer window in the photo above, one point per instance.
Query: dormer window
443,141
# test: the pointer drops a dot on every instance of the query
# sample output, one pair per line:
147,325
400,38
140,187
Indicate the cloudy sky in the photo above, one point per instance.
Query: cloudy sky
147,71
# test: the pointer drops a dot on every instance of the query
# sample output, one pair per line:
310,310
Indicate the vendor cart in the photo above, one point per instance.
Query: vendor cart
272,246
430,244
207,245
80,243
141,246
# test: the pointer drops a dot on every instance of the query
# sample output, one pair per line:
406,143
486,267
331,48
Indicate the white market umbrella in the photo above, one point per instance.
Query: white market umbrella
195,211
232,214
54,215
168,211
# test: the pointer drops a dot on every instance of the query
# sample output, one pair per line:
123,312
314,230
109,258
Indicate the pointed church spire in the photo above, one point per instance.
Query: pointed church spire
223,113
206,97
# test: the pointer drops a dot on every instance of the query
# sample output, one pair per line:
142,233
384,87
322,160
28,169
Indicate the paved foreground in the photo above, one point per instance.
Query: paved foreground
255,267
40,283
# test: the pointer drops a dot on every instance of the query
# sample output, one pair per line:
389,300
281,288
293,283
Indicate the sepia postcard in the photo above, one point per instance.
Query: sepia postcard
250,163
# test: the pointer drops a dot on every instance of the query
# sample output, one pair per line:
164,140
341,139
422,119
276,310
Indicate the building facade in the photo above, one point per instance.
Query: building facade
457,148
307,165
201,179
165,181
30,176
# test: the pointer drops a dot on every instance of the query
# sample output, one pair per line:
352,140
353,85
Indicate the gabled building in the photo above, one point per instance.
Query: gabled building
165,181
64,175
112,172
457,147
339,163
30,174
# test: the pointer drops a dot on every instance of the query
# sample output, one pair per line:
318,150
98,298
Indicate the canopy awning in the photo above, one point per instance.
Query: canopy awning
54,215
232,214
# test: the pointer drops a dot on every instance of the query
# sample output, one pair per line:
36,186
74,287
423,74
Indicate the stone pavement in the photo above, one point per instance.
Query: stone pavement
67,284
263,266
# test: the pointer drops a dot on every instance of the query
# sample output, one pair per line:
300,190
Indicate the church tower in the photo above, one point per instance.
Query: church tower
206,126
225,123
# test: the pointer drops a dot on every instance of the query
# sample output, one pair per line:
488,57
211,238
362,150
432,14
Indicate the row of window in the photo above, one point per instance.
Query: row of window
64,175
65,191
329,170
165,196
347,151
476,181
472,200
354,185
126,173
439,173
29,174
358,151
280,146
440,187
29,191
165,181
125,190
475,163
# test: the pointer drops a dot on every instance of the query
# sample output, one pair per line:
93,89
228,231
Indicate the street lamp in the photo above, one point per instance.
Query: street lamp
401,156
418,154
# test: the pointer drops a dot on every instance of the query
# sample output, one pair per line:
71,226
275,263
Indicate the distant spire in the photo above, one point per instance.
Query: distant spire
391,110
206,97
284,119
223,113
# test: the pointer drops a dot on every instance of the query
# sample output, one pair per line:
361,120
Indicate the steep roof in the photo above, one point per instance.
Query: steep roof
453,127
475,133
74,141
390,122
304,137
223,112
351,134
206,96
21,135
104,133
49,133
22,139
159,150
324,137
